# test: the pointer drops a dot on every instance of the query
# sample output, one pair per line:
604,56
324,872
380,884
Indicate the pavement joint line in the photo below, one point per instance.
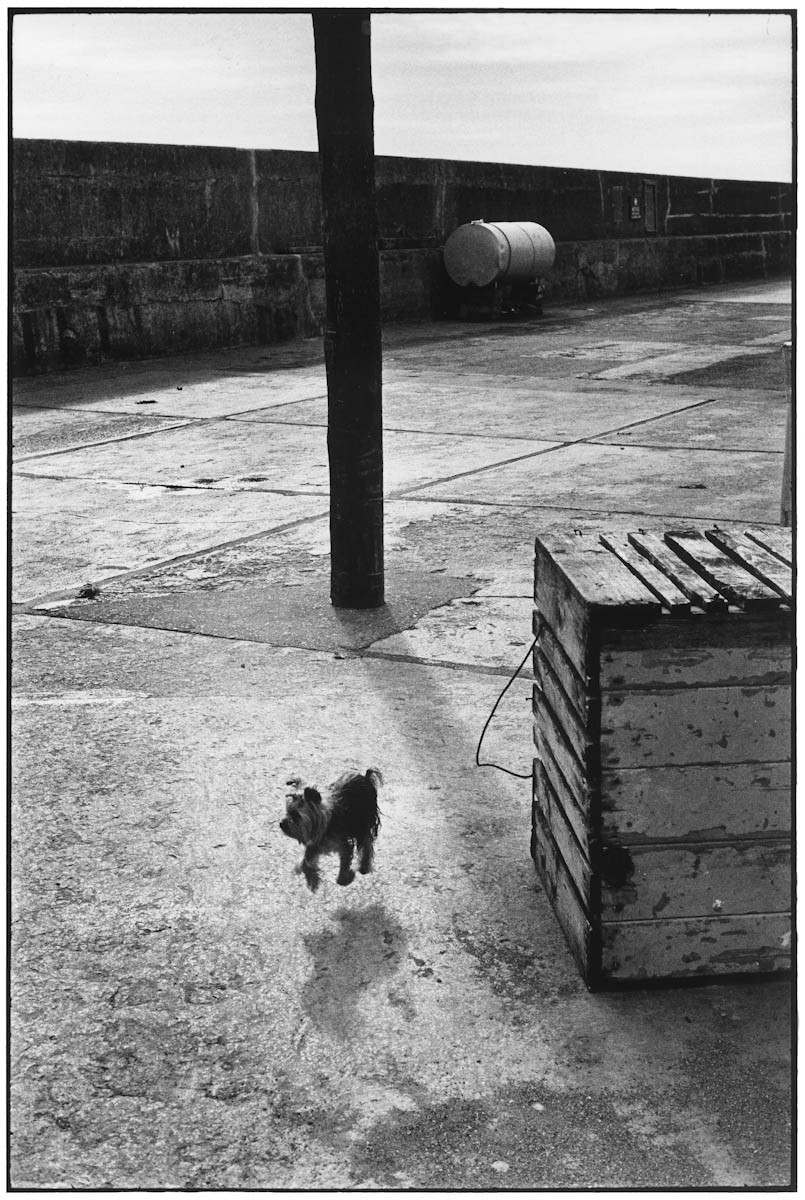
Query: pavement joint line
575,442
345,652
674,412
169,487
244,412
54,406
189,556
506,462
180,423
180,418
648,520
446,664
433,433
187,422
698,449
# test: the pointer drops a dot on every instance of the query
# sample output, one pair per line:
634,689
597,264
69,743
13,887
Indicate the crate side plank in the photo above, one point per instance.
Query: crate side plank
578,687
579,763
686,949
577,805
697,654
702,880
579,720
564,899
712,564
710,725
755,559
726,802
559,607
567,843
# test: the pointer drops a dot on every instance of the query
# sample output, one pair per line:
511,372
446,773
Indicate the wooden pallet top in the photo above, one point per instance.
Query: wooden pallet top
676,571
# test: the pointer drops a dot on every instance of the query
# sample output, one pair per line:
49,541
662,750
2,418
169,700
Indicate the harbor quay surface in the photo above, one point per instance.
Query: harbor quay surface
185,1013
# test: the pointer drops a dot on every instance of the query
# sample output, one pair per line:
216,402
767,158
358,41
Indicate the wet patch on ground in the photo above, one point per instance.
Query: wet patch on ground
279,615
750,371
517,972
527,1138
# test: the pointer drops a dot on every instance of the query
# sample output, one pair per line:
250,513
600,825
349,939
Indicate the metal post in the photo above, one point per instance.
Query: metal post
344,116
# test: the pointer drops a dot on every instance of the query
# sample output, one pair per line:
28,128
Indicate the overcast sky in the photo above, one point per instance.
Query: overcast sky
679,93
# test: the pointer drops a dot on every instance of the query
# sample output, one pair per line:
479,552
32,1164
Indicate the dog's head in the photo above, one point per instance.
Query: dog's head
305,818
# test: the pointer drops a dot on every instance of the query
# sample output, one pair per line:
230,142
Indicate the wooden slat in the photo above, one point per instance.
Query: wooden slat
698,591
686,948
565,900
599,579
653,579
760,562
577,716
721,572
674,727
751,650
578,758
681,880
777,541
576,802
730,802
567,843
564,613
549,648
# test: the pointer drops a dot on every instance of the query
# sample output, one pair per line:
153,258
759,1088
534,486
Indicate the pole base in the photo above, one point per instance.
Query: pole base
352,593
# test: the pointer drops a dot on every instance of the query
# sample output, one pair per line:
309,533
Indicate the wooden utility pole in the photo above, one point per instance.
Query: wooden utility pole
345,120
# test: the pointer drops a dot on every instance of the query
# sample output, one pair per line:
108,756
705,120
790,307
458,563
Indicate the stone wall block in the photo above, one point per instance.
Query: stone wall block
86,315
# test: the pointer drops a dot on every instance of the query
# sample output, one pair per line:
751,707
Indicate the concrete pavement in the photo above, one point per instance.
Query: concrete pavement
185,1014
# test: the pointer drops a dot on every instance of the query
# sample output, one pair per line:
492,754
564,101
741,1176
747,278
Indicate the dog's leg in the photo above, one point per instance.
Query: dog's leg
310,869
345,873
367,854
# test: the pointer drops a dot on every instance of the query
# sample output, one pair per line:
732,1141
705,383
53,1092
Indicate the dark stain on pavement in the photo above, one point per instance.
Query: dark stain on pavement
515,971
764,370
528,1137
281,615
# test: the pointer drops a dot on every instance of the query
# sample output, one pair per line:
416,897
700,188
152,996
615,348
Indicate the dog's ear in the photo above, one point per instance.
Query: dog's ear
312,795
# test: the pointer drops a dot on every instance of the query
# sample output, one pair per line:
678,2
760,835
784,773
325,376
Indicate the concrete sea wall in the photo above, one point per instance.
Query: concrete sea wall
125,250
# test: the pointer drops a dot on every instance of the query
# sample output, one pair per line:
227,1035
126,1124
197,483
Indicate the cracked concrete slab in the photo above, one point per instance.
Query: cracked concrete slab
502,408
678,483
47,430
289,458
67,533
489,631
490,544
736,422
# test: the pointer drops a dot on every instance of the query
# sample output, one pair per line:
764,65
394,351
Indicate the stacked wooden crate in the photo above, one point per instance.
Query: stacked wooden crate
662,781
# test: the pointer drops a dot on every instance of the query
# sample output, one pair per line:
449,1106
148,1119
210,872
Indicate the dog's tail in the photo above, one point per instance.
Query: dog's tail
374,776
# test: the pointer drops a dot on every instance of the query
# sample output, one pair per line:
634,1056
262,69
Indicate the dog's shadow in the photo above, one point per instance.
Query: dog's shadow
364,952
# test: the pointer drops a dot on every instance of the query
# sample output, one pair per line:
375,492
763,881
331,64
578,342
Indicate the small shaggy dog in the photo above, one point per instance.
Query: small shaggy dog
349,820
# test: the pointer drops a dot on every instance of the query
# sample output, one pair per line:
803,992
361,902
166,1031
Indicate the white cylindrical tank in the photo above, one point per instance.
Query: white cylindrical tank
485,252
